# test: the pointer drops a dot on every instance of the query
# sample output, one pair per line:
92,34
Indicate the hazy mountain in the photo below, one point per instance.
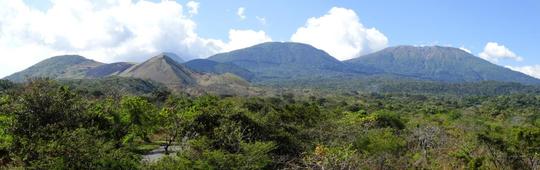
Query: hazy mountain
108,69
163,69
279,60
66,66
439,64
209,66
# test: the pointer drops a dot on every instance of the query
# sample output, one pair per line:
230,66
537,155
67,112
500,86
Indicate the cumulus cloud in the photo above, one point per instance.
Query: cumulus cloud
494,52
533,70
340,33
193,7
107,31
241,13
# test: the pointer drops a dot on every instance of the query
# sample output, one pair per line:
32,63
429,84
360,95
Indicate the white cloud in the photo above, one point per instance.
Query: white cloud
341,34
261,20
241,13
193,7
107,31
465,49
244,38
533,70
494,52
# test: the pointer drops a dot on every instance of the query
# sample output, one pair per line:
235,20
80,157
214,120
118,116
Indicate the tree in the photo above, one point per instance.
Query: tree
323,157
381,144
5,137
80,149
139,116
174,118
425,139
42,112
105,115
6,84
526,140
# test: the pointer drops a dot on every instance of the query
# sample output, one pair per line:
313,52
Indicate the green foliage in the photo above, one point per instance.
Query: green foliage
116,86
5,85
42,112
5,137
379,141
79,149
399,85
139,115
355,118
174,119
199,156
332,158
45,125
388,119
45,130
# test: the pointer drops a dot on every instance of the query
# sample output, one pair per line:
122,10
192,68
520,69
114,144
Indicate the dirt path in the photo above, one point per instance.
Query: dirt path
159,153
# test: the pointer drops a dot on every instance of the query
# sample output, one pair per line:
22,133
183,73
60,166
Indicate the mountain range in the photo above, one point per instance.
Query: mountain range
282,62
162,69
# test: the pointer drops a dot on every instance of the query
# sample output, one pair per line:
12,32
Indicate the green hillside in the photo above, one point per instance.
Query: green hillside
66,66
108,69
209,66
277,60
438,64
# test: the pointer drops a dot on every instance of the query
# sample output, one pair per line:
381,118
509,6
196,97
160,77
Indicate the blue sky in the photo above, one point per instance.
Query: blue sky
513,25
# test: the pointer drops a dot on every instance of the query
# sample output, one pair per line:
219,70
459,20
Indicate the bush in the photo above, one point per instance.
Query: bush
388,119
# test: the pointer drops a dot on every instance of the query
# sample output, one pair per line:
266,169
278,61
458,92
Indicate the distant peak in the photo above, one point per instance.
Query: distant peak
432,47
284,44
426,51
68,56
160,57
169,56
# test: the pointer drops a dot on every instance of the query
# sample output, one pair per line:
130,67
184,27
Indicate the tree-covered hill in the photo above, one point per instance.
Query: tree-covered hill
209,66
108,69
279,61
67,66
438,64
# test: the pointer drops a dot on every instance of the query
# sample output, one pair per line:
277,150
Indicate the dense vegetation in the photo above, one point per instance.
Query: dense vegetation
391,84
209,66
47,125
